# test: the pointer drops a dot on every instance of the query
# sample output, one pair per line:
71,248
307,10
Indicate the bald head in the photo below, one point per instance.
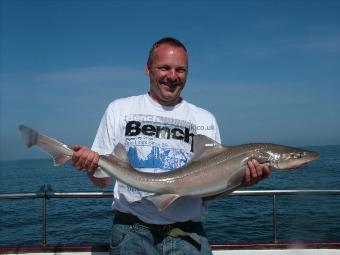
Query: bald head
166,40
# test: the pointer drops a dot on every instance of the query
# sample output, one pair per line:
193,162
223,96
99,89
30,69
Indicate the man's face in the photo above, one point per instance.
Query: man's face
168,72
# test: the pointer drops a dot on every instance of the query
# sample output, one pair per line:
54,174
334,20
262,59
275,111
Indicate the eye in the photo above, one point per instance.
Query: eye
181,70
163,68
297,155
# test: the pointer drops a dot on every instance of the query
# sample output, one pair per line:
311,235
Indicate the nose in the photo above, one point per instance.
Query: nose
172,75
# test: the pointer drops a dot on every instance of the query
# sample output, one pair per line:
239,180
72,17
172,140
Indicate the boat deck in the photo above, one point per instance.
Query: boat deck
218,249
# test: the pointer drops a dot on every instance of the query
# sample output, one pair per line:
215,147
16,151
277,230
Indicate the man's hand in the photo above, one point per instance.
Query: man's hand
255,172
84,159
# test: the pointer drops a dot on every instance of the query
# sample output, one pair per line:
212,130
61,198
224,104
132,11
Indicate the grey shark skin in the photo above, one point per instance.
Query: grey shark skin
214,170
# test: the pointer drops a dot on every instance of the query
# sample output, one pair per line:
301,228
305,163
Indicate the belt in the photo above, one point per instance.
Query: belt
178,229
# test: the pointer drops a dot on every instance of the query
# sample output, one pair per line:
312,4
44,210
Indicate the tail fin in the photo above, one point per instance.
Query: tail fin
57,150
30,136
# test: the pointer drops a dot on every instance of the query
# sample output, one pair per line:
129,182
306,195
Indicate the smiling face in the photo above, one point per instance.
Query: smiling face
167,71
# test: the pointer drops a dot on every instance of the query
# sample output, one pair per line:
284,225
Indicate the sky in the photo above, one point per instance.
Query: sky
268,70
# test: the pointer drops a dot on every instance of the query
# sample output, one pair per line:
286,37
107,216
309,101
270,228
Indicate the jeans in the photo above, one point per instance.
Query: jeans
136,238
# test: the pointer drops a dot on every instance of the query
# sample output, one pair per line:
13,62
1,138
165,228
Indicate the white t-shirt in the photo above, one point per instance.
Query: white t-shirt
157,139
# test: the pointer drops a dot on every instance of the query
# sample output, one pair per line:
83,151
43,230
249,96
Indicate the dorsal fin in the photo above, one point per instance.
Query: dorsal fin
120,152
205,146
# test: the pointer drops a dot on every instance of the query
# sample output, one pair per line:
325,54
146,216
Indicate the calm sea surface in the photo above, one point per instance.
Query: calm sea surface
233,219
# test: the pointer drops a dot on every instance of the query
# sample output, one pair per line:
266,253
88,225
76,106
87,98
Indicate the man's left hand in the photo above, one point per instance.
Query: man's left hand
255,172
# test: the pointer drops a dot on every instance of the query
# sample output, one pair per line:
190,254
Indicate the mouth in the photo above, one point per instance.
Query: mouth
313,156
170,84
172,87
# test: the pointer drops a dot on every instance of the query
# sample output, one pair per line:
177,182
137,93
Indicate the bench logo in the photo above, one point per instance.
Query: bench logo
134,128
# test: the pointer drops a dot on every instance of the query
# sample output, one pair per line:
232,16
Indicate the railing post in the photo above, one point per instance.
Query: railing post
43,215
44,189
274,219
44,221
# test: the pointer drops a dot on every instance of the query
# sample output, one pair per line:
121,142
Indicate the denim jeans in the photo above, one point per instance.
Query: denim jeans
136,238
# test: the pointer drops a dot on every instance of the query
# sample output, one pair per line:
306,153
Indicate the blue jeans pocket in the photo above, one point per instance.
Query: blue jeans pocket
119,234
131,240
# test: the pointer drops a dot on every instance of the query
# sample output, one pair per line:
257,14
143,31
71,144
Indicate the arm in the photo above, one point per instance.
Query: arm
86,160
255,172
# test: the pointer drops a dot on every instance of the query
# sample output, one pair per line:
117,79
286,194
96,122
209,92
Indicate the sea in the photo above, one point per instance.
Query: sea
233,219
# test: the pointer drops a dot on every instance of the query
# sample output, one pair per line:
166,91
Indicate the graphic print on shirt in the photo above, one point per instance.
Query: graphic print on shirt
158,143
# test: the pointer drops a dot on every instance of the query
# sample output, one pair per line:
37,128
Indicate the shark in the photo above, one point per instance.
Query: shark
214,170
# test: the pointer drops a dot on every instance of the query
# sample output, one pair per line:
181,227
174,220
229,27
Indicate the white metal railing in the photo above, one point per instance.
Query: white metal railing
46,193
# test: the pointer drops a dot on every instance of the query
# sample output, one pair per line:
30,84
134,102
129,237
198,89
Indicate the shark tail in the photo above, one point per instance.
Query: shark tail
29,135
60,152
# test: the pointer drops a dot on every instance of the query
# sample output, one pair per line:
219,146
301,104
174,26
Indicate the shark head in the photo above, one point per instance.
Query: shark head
284,157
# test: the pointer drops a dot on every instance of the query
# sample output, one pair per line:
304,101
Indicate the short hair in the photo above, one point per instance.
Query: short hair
165,40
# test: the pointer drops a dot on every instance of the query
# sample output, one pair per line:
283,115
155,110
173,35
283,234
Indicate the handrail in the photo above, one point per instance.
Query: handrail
108,194
46,193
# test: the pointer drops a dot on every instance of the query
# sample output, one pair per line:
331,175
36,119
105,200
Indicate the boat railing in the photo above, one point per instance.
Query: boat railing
46,192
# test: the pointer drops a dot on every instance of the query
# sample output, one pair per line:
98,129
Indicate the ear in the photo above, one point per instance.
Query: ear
147,70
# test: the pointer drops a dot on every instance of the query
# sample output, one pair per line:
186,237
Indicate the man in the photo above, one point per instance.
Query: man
157,130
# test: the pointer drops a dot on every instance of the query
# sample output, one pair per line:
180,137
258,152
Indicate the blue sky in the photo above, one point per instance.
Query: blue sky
268,70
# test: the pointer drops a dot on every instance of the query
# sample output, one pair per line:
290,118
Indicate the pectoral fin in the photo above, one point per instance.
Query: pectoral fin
163,201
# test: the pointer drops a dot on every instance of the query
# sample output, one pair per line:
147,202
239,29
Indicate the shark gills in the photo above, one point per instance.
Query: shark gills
214,170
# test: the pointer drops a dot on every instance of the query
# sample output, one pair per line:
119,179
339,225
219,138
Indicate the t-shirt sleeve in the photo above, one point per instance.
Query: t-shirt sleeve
106,138
217,130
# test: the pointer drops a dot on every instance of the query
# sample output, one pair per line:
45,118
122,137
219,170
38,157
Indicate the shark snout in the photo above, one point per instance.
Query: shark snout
311,155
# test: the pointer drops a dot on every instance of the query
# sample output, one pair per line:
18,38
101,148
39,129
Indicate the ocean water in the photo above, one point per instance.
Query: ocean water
233,219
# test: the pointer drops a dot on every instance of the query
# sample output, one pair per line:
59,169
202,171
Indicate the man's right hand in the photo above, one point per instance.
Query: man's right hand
84,159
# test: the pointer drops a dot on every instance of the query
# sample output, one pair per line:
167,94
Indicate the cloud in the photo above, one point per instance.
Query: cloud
101,74
271,38
257,94
65,102
325,45
64,93
328,43
63,84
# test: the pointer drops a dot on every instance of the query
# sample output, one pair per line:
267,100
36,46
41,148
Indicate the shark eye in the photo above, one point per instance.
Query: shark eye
297,155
